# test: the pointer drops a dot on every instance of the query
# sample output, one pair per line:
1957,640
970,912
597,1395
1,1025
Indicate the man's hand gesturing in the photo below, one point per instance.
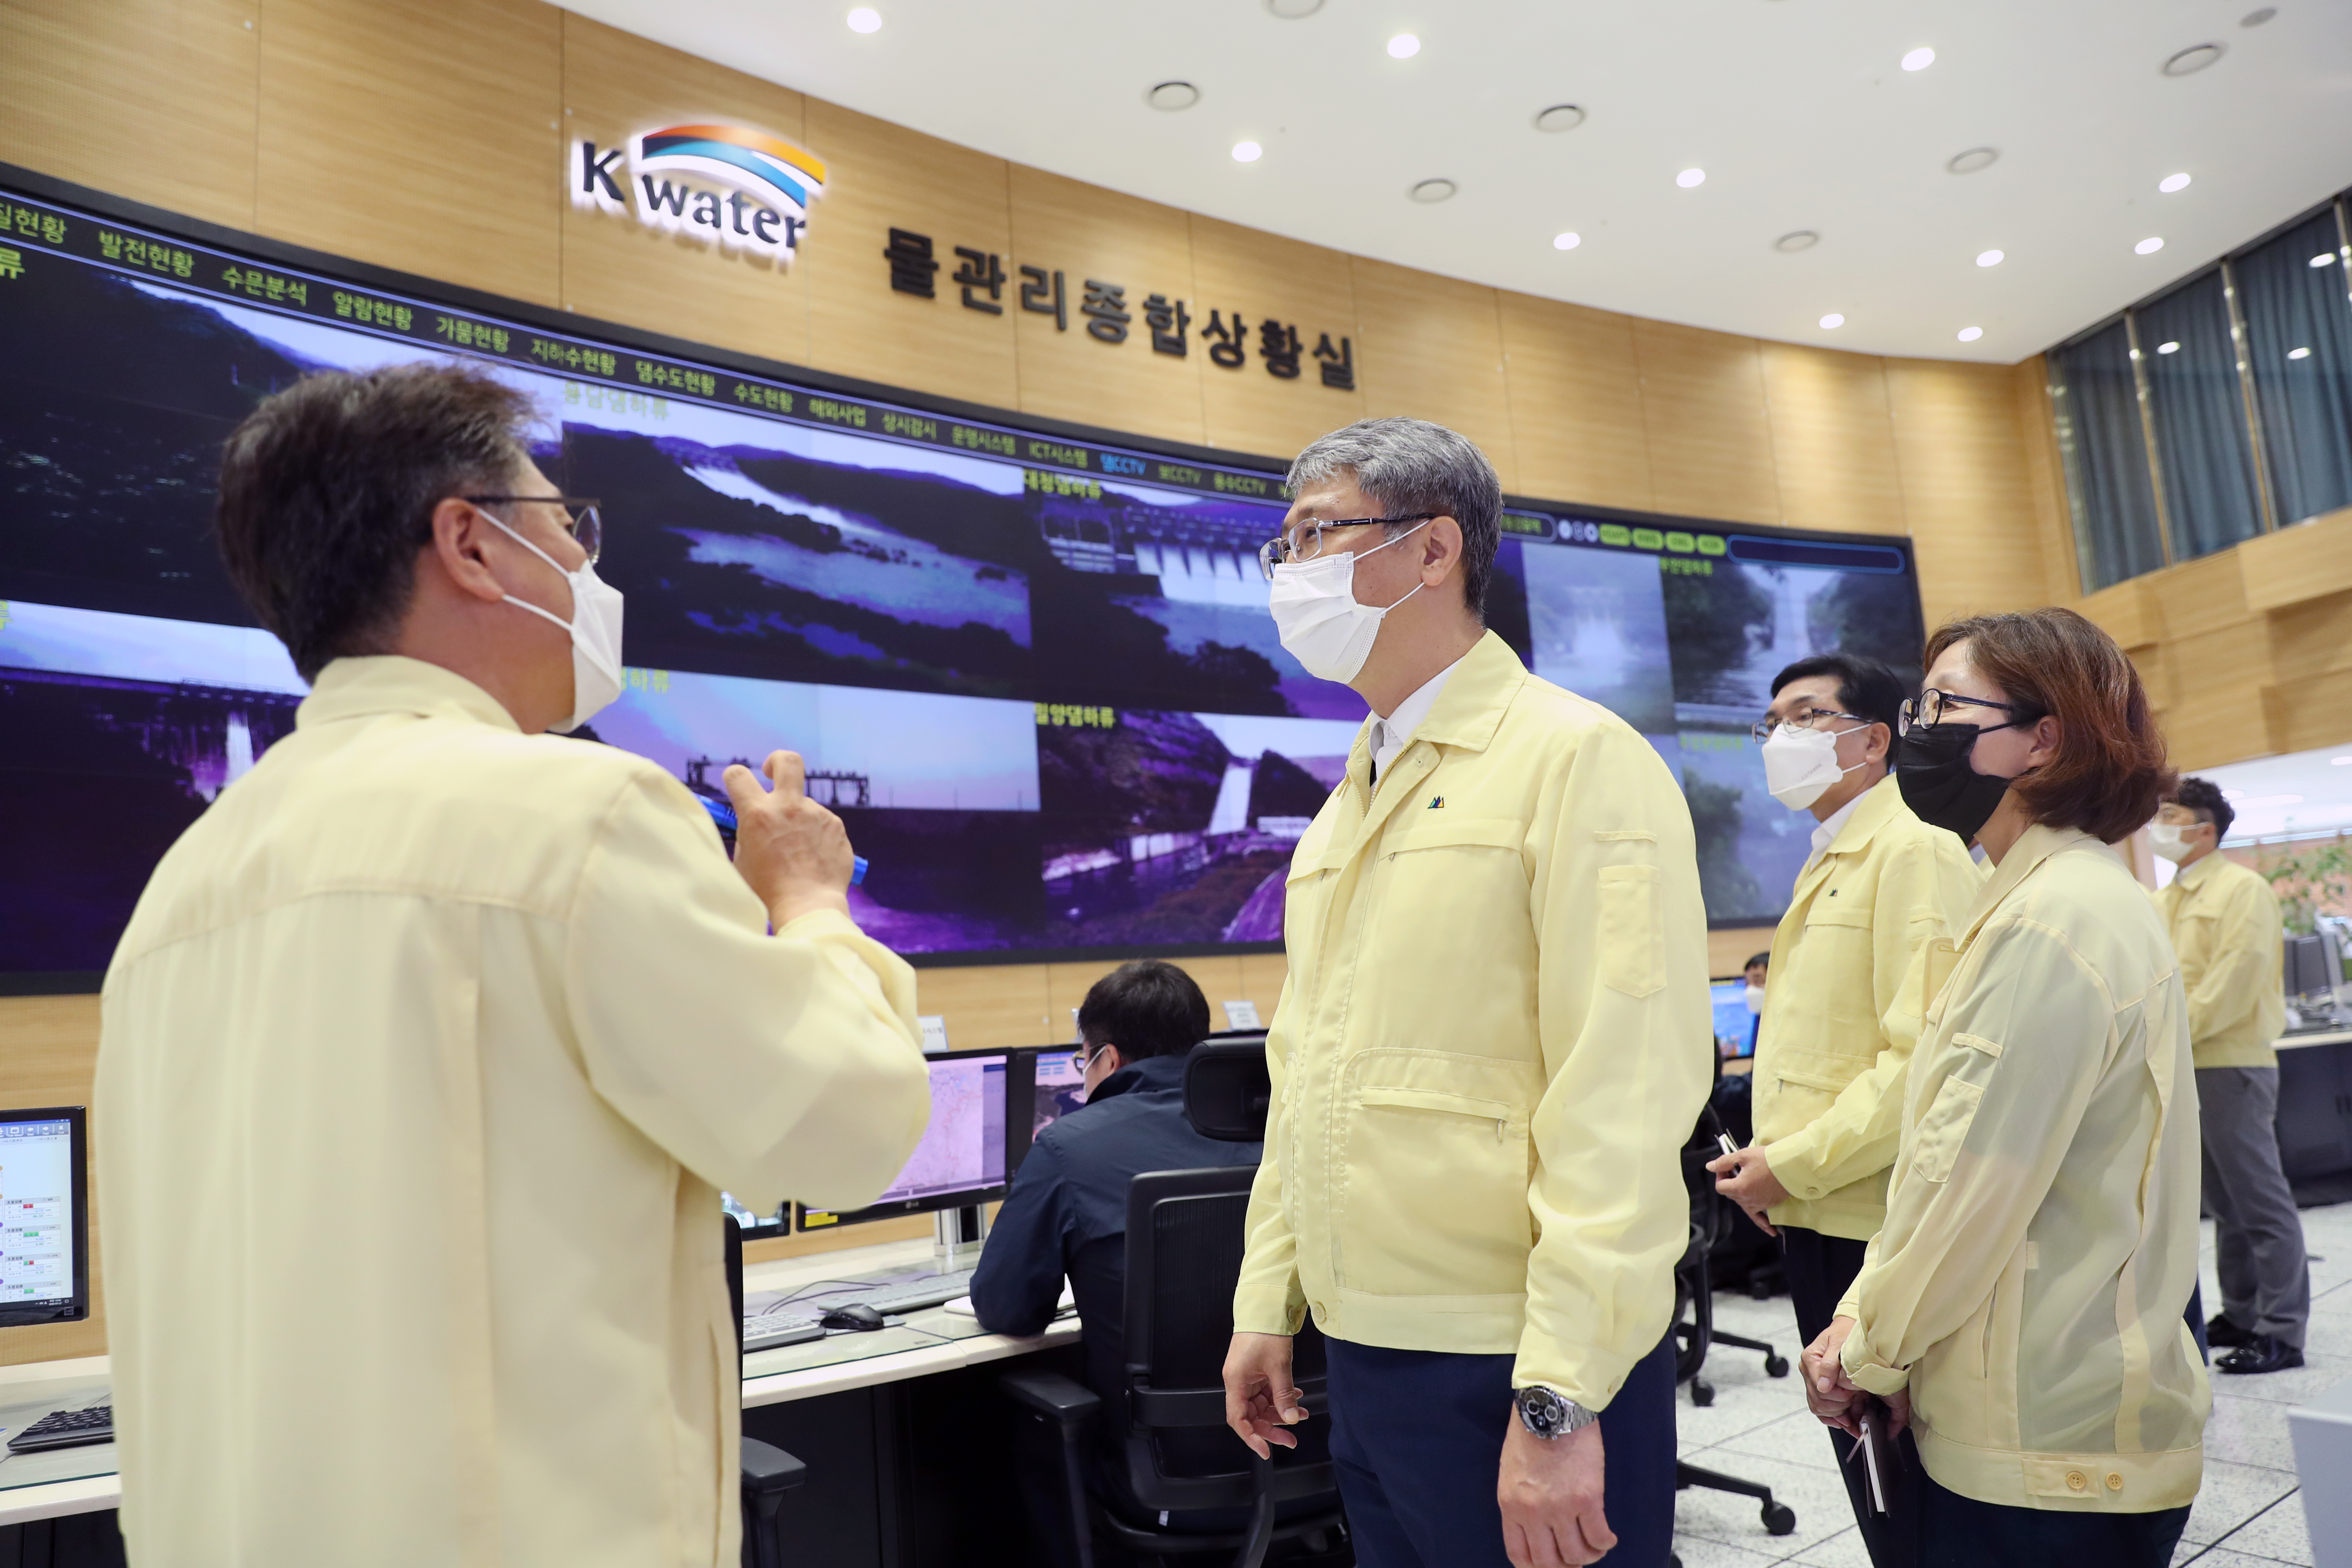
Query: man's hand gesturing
793,853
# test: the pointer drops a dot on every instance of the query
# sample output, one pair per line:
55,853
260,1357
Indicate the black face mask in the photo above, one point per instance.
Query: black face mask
1931,768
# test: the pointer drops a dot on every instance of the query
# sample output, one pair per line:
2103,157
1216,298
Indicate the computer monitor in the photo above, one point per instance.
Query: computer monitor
44,1215
1735,1025
967,1153
1058,1088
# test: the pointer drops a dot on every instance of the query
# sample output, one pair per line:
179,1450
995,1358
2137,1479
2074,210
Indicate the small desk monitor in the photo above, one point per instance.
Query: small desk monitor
44,1215
1060,1089
1735,1025
967,1153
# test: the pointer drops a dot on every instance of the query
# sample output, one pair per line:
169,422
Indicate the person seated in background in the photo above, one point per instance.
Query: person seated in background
1757,969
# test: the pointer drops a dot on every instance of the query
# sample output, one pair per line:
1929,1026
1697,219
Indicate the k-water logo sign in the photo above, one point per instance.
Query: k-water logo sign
762,207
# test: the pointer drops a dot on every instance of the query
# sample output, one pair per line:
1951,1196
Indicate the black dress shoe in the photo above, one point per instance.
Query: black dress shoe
2225,1335
2262,1354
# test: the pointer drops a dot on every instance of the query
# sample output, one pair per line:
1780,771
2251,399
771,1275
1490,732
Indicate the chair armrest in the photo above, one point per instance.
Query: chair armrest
1049,1393
767,1468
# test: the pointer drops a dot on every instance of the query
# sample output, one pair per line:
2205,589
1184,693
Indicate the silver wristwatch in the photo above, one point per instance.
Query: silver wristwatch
1547,1415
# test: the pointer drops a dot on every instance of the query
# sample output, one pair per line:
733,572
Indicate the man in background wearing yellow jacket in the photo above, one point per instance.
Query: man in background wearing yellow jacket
1835,1039
431,1044
2224,922
1492,1044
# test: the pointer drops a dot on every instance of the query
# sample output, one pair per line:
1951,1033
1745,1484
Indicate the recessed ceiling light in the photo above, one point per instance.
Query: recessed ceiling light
2171,182
2172,348
1970,334
2305,353
1172,96
2325,259
2256,18
1800,239
1565,241
1833,320
866,19
2194,59
1292,10
1247,152
1919,60
1559,116
2343,762
1690,177
1429,191
2150,246
1403,47
1974,159
1989,258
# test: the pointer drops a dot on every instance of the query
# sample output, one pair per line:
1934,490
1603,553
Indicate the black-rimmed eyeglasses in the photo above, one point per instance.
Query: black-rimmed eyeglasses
1932,707
580,518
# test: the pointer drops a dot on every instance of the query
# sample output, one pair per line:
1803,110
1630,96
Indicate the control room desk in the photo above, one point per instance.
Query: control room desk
910,1447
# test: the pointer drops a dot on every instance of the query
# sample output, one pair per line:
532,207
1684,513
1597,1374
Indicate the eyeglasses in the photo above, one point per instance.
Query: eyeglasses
1081,1059
1761,731
1932,707
1305,542
580,519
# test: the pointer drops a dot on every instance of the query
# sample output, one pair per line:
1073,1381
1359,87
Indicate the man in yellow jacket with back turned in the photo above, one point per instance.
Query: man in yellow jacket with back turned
1491,1047
1834,1044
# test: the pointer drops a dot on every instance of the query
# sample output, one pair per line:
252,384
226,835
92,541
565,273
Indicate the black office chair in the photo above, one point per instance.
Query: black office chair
1694,1297
768,1472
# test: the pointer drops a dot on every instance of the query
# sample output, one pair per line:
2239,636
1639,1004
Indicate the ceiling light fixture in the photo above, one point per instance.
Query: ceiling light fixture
1565,241
1970,334
2194,59
1430,191
866,19
1833,320
1919,60
1403,47
1172,96
1797,240
1989,258
1247,152
2171,182
2325,259
1559,116
1974,159
2150,246
1292,10
1690,177
2305,353
2171,348
2343,762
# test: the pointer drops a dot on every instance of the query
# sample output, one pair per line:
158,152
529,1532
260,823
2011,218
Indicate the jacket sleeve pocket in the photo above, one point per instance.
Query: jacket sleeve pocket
1944,1128
1632,930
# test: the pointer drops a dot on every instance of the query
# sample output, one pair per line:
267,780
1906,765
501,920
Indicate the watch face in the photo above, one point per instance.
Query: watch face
1544,1411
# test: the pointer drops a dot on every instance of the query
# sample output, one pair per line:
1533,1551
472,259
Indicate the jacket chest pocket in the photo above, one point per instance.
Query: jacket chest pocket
1835,959
1458,891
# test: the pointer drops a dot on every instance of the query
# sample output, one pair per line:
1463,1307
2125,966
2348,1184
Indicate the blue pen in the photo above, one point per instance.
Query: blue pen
724,816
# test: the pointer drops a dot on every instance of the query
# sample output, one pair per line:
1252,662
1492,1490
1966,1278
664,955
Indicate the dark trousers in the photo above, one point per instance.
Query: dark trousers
2257,1233
1418,1436
1955,1532
1820,1269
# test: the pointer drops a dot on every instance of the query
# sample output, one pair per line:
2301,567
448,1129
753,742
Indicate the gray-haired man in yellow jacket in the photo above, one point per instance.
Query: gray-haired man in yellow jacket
1491,1047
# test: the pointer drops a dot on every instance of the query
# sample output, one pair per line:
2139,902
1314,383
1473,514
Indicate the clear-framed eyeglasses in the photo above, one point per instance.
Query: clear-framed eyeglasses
581,520
1932,707
1082,1059
1305,542
1809,719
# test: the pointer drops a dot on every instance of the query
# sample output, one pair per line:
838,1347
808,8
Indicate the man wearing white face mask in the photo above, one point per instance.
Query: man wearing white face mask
1492,1044
431,1044
1835,1038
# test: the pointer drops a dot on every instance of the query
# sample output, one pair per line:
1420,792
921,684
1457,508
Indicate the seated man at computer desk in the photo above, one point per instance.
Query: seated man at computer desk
1067,1212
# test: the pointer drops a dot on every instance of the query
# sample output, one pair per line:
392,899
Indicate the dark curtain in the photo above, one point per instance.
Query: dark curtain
2097,412
2195,399
2306,400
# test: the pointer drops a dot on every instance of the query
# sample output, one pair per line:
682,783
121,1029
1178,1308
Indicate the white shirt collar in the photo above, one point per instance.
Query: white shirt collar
1825,832
1390,735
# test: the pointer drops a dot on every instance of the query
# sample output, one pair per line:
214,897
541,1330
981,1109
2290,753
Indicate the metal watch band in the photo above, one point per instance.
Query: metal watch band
1547,1415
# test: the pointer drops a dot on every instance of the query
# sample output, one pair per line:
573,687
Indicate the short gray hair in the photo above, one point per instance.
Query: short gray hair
1412,467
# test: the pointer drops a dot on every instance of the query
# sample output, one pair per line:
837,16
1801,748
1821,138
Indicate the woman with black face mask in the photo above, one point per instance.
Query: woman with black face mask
2021,1310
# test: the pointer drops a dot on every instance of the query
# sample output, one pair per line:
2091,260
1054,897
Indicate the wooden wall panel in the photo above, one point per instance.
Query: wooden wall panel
1576,403
884,176
416,135
1263,974
1084,231
615,268
1832,439
985,1008
2312,640
1972,517
1703,413
2307,561
1432,348
1249,274
1729,948
151,100
49,1055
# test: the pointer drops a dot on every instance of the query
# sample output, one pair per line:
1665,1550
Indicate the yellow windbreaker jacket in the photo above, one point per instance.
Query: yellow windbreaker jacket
2040,1237
1837,1030
421,1064
1492,1044
2225,921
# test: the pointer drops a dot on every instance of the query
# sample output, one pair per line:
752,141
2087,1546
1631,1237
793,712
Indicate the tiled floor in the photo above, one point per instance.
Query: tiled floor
2248,1515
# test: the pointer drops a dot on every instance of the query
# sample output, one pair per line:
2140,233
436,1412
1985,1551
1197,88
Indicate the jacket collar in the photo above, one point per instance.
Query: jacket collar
1872,809
1470,707
1153,1073
2192,877
390,683
2037,844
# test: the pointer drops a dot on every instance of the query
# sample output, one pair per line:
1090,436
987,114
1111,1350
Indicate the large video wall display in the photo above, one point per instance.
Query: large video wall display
1036,677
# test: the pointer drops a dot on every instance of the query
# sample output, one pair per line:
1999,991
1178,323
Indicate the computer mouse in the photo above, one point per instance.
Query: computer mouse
857,1315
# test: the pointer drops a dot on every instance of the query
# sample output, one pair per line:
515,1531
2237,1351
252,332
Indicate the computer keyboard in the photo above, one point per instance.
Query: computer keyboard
66,1429
908,1296
774,1328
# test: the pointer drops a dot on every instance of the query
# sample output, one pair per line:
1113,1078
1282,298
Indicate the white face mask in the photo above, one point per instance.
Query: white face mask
1756,998
1800,765
595,628
2165,838
1317,618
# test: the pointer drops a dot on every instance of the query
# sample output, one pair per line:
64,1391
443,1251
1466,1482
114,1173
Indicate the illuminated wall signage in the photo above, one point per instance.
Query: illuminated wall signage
665,177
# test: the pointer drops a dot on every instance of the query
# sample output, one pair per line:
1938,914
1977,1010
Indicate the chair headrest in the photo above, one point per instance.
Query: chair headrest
1226,1090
